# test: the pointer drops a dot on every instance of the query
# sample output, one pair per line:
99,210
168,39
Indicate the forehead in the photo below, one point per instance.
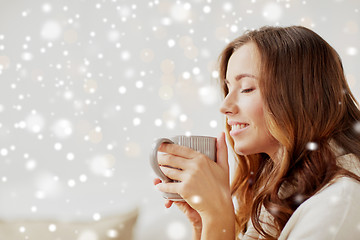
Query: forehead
245,60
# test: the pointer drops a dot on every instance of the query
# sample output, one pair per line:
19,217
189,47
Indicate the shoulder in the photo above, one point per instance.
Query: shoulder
332,213
344,187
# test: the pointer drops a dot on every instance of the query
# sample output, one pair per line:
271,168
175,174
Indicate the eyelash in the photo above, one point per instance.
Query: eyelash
247,90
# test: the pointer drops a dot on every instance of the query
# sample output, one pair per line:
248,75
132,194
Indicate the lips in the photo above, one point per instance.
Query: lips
237,127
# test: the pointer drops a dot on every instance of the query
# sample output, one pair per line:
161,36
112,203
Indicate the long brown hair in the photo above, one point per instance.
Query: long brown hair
307,101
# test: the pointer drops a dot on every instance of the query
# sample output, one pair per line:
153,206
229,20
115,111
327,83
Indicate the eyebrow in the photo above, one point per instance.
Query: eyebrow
240,76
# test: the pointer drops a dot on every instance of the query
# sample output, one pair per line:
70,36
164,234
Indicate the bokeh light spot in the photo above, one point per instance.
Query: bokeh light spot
176,230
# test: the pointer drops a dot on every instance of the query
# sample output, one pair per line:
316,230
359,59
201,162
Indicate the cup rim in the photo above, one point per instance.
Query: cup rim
195,136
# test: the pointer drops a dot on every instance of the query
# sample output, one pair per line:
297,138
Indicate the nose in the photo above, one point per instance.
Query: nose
229,106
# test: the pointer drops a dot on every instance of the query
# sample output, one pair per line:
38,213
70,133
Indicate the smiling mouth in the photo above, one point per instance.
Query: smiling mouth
238,129
239,126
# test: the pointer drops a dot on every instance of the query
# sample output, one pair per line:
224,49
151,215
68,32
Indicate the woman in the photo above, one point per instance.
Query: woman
293,123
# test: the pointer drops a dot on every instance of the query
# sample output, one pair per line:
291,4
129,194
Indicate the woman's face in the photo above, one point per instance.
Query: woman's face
243,106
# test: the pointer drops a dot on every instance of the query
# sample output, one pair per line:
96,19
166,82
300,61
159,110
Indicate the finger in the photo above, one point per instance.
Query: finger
173,173
168,203
184,206
178,150
222,152
156,181
173,161
171,187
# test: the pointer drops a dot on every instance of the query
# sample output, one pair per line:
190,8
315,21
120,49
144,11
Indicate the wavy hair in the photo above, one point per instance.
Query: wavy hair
306,101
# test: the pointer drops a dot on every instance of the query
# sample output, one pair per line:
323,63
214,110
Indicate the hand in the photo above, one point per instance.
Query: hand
203,184
189,212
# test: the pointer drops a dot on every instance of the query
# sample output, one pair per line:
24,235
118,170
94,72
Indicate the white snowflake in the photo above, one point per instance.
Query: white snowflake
51,30
46,8
312,146
88,235
176,230
112,233
52,227
180,12
62,128
208,94
352,51
96,216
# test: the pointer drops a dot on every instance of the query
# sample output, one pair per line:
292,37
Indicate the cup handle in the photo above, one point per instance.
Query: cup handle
154,162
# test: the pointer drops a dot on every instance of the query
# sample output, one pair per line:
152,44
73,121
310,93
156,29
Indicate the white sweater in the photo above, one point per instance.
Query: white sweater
331,214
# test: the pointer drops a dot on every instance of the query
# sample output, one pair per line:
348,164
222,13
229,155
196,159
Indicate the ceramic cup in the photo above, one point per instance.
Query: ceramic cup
203,144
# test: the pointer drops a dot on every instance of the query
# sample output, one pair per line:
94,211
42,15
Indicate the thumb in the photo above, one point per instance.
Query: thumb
222,152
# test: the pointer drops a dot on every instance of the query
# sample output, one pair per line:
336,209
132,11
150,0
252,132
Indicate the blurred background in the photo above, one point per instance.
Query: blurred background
87,85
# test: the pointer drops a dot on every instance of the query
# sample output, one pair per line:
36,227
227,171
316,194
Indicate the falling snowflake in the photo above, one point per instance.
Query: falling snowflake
272,12
208,95
196,199
176,230
180,12
351,51
52,227
87,235
62,128
357,127
96,216
312,146
112,233
34,122
51,30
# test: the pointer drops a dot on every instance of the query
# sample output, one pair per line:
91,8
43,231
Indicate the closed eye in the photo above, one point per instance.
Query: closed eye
247,90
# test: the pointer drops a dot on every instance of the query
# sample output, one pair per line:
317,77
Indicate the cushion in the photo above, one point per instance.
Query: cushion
117,227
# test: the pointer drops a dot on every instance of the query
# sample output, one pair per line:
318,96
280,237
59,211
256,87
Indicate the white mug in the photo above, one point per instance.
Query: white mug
203,144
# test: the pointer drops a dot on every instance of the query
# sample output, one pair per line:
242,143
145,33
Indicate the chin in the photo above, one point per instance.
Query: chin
241,150
245,149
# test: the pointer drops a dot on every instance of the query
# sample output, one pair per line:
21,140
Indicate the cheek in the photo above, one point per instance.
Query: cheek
263,133
257,115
